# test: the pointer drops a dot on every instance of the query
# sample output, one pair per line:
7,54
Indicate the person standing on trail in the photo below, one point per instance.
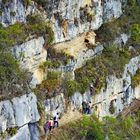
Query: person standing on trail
88,108
51,124
56,120
84,106
46,127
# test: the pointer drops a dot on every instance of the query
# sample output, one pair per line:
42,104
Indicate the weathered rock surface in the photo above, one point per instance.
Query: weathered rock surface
25,106
69,18
22,134
12,11
19,111
34,133
31,54
75,17
117,94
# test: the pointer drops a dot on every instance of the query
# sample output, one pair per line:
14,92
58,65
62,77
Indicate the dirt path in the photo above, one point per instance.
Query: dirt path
71,116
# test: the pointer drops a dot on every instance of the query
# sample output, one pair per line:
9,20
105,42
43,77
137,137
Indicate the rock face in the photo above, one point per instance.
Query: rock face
31,54
12,11
19,112
26,107
74,17
69,18
56,104
22,134
117,94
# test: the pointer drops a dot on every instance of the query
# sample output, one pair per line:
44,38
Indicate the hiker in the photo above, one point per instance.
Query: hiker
84,105
56,119
88,108
46,127
51,122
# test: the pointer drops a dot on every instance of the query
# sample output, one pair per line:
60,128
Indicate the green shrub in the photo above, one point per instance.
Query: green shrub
5,1
136,78
10,74
135,33
12,13
111,62
38,25
14,34
42,3
12,131
71,87
26,2
50,83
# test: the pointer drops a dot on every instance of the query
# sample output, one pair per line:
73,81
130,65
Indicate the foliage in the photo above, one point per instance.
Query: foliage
90,128
128,23
111,61
26,2
18,33
42,3
11,75
48,85
136,78
51,64
38,25
71,87
135,33
14,34
12,131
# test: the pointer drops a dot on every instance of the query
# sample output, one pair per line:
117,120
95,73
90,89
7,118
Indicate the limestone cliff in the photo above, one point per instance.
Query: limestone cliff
55,39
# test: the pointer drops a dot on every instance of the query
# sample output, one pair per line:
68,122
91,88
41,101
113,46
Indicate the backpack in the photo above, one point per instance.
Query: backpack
54,118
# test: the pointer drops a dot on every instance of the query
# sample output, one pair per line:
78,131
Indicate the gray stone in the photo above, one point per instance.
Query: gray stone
34,132
25,106
22,134
12,12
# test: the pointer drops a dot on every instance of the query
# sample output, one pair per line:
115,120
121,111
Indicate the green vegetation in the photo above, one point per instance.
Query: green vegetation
71,86
42,3
14,34
37,25
3,135
18,33
51,64
128,23
10,75
135,33
12,131
110,62
26,2
49,85
90,128
5,1
136,79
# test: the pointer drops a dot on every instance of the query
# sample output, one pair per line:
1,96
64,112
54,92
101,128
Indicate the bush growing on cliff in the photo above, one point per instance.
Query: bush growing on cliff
10,75
71,86
14,34
136,78
48,85
38,25
135,33
110,62
90,128
41,2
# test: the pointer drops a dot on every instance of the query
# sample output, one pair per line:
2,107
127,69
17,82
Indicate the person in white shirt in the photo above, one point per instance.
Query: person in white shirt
56,120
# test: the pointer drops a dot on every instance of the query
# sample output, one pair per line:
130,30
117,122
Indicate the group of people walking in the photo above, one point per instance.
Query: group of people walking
86,107
52,123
